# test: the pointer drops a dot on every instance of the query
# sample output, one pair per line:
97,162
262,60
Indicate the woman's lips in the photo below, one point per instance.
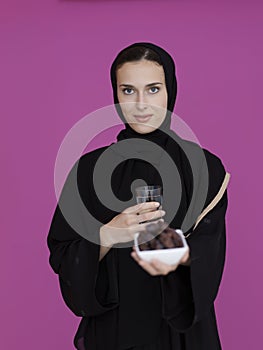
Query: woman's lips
144,118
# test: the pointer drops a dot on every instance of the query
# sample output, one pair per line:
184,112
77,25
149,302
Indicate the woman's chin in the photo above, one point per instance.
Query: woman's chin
141,128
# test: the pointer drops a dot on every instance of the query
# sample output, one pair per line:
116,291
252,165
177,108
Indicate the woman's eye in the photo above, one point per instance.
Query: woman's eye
128,91
154,89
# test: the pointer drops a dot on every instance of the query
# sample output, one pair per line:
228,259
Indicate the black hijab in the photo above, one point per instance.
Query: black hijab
170,81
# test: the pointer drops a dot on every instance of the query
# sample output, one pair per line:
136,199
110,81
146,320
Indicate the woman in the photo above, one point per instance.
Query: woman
126,303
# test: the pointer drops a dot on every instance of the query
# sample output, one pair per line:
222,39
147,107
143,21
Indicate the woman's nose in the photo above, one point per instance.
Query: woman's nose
141,103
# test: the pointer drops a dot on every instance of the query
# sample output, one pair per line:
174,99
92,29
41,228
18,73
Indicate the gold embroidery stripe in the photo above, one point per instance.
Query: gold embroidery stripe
214,201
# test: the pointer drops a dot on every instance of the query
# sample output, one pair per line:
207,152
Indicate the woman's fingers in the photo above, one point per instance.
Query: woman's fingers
141,213
141,206
186,259
144,264
150,216
132,220
156,227
154,267
145,227
135,256
137,219
163,267
147,266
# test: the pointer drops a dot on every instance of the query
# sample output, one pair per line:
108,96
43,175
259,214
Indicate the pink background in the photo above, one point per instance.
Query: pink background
55,59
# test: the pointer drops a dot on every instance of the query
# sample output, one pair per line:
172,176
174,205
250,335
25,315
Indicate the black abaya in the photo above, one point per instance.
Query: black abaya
91,288
121,305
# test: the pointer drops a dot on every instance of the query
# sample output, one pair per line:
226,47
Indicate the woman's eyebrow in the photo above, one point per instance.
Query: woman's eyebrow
148,85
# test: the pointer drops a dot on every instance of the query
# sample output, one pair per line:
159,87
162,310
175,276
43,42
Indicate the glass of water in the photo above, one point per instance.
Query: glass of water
149,194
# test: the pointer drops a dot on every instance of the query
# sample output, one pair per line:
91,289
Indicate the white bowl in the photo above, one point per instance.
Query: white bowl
169,256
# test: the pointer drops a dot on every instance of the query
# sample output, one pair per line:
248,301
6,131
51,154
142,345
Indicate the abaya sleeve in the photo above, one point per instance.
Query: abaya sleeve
189,292
88,287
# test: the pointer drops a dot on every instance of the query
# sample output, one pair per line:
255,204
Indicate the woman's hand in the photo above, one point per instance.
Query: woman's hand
156,267
123,226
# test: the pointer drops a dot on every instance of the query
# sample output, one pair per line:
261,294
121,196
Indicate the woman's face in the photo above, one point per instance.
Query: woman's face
142,94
